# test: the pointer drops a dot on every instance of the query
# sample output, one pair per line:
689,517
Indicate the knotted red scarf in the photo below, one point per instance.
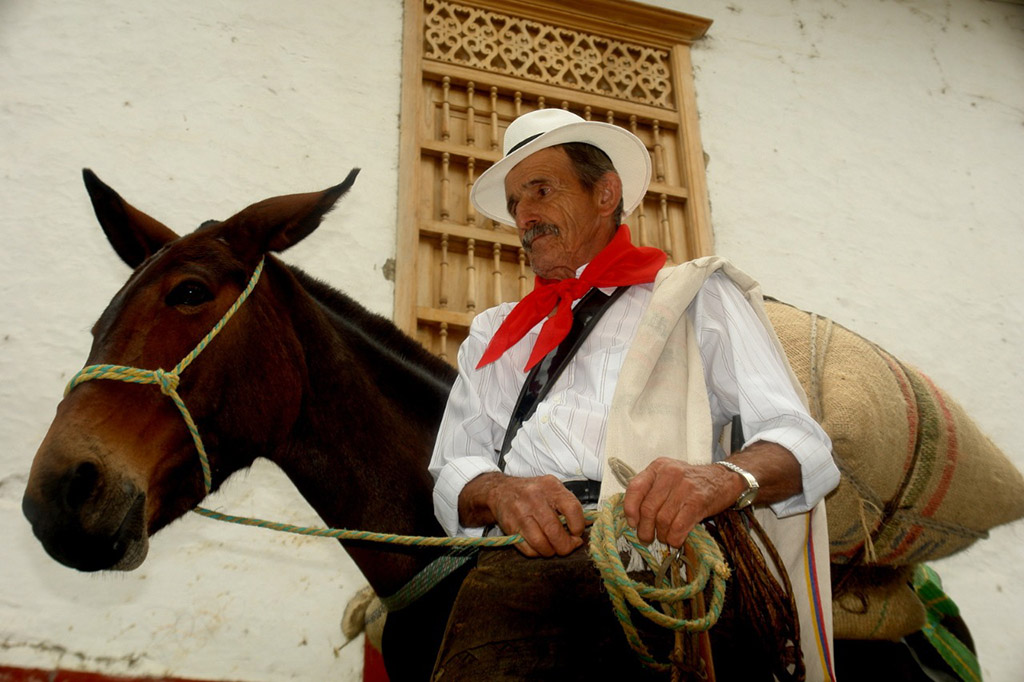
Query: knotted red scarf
618,264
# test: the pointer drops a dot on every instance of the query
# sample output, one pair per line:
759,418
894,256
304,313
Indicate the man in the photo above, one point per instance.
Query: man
565,184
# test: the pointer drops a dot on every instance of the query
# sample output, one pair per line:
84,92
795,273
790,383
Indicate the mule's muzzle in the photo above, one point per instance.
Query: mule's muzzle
86,522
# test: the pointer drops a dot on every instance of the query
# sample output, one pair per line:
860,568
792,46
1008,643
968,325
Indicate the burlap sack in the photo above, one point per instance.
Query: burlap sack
364,613
875,602
919,479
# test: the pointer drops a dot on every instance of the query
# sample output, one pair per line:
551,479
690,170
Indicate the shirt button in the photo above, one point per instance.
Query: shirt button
544,419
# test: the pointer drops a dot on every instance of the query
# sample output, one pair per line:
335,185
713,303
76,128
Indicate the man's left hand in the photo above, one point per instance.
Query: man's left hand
668,498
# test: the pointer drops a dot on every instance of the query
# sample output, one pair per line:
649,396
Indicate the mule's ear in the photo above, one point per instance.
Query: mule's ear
279,223
133,234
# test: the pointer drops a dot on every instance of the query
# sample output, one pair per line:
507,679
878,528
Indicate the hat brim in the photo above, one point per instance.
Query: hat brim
627,152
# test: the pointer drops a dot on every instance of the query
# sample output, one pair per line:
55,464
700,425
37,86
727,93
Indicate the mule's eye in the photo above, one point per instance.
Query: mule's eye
189,293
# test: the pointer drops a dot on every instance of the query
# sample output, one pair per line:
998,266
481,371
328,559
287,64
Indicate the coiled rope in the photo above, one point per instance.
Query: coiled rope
623,591
609,526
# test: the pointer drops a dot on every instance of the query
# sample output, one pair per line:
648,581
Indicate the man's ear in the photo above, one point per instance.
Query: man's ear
608,191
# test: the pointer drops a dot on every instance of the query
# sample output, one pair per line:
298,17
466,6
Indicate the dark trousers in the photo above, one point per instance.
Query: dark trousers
412,636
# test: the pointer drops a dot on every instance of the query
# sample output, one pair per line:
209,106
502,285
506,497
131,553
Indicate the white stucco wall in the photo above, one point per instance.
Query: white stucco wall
191,110
865,162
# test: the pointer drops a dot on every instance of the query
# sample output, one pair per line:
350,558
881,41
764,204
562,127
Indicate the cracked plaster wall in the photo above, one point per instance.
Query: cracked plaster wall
865,162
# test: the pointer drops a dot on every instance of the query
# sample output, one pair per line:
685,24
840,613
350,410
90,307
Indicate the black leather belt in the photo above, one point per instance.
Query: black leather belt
586,491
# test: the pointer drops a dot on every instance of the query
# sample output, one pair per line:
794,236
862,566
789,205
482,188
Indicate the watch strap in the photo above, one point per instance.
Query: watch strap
747,497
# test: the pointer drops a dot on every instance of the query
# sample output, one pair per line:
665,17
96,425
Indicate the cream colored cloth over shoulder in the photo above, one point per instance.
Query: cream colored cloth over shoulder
660,409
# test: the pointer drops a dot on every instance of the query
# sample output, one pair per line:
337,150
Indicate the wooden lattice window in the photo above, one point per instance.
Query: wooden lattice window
472,66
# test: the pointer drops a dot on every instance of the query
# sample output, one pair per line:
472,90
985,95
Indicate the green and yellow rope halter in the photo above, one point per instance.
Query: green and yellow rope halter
168,380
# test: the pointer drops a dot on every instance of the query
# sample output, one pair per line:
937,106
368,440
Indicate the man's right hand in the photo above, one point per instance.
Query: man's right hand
528,506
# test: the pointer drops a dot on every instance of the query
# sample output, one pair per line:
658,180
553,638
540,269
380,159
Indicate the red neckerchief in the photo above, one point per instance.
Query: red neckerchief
618,264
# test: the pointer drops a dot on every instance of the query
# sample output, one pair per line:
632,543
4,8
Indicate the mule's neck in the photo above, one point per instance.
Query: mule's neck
361,445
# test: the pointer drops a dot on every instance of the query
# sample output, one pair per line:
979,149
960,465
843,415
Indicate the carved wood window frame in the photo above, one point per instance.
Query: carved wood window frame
469,68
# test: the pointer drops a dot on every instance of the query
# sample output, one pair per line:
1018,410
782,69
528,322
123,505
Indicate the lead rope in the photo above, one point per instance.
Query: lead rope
608,525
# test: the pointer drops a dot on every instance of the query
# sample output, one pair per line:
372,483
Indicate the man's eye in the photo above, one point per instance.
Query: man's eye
189,293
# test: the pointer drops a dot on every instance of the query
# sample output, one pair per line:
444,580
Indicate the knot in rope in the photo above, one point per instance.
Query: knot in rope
168,381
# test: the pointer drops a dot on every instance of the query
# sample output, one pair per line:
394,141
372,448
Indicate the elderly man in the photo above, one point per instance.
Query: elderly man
565,184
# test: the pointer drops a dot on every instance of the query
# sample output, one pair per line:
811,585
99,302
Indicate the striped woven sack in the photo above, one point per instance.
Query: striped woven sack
920,481
875,602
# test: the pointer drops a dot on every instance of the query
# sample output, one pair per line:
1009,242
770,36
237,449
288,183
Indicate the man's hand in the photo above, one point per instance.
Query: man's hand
668,498
529,506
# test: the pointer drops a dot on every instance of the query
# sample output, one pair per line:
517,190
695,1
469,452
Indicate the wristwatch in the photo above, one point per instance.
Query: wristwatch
748,496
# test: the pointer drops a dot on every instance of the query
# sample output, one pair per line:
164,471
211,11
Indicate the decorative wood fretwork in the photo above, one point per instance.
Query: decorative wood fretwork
473,66
543,52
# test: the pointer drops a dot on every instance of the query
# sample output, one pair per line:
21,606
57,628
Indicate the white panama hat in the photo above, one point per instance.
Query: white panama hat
549,127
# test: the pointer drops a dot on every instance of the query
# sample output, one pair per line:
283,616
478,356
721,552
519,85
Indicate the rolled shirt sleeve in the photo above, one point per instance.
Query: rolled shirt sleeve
747,375
465,445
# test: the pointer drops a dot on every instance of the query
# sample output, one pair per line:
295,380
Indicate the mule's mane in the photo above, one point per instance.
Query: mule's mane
378,330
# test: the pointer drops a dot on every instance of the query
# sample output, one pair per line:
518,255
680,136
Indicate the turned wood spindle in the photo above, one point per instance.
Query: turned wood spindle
494,119
470,179
471,275
445,208
659,152
470,115
442,275
446,109
666,232
496,274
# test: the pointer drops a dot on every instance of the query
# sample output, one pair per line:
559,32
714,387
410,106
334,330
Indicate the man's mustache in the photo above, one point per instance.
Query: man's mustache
538,230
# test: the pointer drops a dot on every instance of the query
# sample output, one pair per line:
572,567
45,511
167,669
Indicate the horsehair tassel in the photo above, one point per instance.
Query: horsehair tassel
755,584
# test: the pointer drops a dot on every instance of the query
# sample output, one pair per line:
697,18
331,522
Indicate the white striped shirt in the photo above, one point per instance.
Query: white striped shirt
565,436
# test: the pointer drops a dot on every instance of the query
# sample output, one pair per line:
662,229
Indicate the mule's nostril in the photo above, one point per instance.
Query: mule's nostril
81,483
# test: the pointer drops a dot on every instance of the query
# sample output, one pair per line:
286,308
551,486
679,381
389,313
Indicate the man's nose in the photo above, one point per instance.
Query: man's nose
525,217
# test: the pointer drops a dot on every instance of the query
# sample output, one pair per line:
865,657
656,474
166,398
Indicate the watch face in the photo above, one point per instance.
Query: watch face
746,499
748,496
